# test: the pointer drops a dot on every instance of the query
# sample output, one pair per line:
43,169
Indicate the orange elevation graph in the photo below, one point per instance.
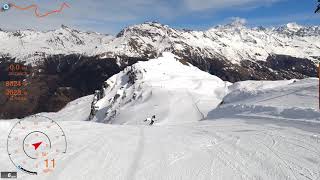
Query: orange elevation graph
34,8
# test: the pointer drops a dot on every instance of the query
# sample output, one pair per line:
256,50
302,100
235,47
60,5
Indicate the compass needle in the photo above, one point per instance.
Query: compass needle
36,145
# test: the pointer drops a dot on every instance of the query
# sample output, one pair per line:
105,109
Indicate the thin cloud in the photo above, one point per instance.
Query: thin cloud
109,16
276,20
200,5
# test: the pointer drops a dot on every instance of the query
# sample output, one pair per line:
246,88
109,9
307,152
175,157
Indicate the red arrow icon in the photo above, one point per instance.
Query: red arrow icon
36,145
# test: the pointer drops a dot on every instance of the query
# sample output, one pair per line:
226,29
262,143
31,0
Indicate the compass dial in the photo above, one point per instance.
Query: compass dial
35,143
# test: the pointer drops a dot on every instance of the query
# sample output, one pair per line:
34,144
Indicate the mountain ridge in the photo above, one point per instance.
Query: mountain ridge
67,64
234,42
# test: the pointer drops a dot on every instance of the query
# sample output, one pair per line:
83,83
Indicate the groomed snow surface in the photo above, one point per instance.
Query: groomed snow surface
205,128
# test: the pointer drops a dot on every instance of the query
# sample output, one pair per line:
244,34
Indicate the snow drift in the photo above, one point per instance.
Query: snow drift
165,87
288,99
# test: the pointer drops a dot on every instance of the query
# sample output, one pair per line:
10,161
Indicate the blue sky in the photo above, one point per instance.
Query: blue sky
273,14
110,16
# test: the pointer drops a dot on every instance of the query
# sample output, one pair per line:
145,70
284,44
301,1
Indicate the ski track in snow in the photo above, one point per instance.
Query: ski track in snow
137,156
224,149
196,106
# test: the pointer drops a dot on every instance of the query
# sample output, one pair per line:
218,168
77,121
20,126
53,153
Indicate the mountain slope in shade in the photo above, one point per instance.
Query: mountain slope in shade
294,100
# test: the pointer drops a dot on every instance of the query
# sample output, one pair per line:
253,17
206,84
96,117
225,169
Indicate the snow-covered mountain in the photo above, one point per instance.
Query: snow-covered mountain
233,42
163,87
205,128
233,52
31,45
171,89
78,62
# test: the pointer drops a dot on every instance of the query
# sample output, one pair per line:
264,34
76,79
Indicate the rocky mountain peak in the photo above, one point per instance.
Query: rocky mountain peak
235,24
145,29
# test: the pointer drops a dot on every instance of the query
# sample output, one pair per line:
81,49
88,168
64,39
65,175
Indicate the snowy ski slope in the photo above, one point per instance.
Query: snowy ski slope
262,130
